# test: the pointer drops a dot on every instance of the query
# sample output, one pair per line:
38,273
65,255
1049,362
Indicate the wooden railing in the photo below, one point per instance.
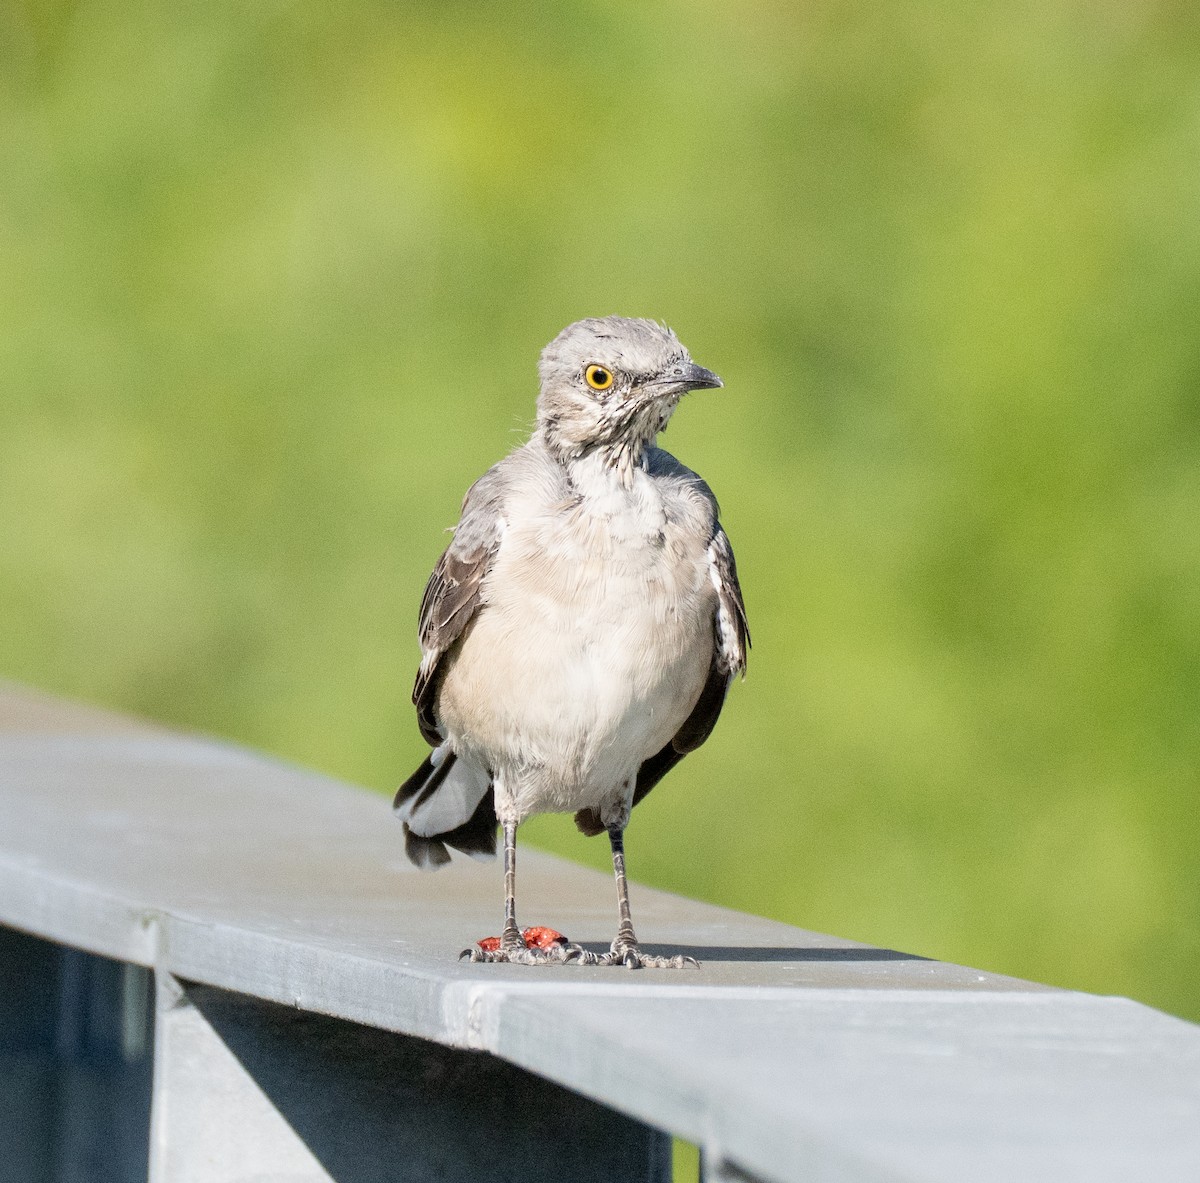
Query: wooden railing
216,966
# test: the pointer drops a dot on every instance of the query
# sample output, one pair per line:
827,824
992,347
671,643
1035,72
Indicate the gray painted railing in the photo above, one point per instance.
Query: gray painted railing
216,966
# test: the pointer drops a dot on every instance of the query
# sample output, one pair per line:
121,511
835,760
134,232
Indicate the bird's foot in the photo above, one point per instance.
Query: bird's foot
538,945
629,954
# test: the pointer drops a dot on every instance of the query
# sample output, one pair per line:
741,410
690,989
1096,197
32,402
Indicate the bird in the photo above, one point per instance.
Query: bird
580,632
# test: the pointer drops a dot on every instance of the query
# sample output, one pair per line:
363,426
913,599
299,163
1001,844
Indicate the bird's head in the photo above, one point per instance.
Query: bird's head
613,383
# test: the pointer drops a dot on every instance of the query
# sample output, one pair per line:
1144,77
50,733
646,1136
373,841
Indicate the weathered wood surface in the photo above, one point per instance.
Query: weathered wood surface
788,1054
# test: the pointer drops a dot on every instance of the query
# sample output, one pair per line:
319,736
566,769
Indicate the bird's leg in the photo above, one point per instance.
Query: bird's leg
510,937
539,944
625,949
626,939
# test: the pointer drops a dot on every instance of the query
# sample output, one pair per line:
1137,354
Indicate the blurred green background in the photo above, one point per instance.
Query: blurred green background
273,280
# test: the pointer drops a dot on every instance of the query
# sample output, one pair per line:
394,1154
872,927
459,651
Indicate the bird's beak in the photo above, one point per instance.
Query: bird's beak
688,376
698,378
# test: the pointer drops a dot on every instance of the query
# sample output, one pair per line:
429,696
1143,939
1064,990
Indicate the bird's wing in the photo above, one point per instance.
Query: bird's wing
455,592
731,630
731,641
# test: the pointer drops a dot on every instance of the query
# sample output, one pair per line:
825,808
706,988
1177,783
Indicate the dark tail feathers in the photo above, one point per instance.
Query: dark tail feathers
475,837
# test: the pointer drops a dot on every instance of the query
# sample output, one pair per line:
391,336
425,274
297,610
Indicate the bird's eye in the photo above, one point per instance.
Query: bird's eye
598,378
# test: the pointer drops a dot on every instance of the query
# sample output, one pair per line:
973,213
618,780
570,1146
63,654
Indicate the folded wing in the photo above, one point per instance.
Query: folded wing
448,801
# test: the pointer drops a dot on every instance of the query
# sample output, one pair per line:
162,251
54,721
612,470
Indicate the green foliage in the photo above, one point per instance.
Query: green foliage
275,279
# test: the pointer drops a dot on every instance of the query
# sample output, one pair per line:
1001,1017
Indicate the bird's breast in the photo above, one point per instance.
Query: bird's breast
593,644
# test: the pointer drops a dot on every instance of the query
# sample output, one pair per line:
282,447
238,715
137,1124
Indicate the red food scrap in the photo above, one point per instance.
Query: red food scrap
537,936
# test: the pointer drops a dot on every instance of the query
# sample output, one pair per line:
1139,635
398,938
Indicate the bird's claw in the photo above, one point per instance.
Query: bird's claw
538,945
636,959
632,957
527,955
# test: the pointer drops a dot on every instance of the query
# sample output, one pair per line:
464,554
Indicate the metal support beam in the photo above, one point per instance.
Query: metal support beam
252,1091
75,1042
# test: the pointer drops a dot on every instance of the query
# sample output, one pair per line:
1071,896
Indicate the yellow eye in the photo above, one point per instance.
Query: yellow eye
598,378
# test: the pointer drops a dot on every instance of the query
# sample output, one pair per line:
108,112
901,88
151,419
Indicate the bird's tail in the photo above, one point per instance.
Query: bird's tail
447,802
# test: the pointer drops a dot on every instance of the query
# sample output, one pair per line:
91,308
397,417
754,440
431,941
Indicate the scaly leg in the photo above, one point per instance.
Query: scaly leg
539,945
625,949
510,937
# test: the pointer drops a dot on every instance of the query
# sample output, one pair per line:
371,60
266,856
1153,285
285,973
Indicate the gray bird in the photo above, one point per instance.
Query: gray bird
579,634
